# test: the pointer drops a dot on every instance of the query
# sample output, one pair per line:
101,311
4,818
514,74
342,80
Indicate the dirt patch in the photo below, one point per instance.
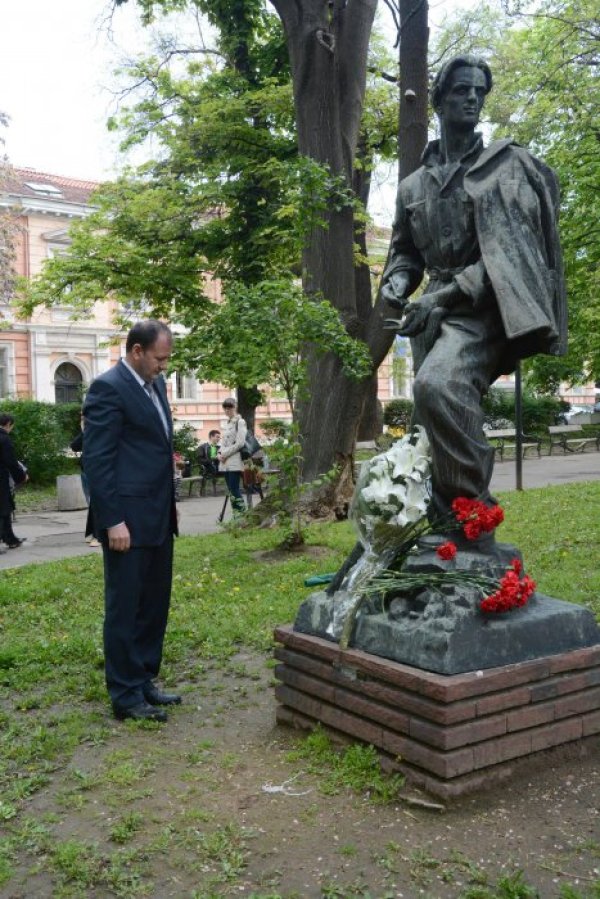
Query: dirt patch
283,555
212,805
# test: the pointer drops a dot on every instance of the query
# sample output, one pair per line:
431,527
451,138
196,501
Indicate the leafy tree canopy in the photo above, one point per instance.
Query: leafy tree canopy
226,196
273,320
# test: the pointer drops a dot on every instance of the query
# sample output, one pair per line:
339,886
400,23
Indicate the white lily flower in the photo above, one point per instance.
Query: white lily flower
376,492
395,487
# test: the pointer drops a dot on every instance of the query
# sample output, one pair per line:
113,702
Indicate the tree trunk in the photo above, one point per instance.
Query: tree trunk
248,400
412,48
328,45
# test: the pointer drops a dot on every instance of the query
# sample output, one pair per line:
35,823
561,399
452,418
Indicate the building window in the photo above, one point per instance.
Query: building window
68,383
46,190
185,387
4,372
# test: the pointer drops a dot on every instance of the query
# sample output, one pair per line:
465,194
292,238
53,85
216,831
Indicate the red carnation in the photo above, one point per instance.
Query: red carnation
475,517
512,593
446,551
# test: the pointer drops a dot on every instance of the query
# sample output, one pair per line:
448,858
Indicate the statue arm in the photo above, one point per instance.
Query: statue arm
405,267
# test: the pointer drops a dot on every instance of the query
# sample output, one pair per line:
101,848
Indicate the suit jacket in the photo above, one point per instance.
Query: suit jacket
9,466
128,458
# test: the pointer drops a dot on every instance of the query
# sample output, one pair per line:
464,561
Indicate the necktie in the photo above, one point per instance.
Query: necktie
149,388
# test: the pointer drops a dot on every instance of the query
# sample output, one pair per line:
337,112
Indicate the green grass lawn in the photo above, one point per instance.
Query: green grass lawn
36,498
225,596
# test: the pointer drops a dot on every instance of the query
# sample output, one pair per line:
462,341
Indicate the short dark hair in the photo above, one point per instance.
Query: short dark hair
440,82
146,333
6,419
229,403
212,434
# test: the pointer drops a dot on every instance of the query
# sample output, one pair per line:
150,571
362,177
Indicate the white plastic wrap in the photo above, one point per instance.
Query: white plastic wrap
391,496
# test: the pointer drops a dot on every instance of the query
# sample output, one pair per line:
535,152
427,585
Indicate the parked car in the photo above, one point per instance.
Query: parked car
564,418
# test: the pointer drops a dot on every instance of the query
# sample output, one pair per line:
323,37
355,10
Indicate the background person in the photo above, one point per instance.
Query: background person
128,459
10,467
233,437
208,454
77,446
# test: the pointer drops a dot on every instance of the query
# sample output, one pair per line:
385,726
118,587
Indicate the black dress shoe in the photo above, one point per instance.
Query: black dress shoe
156,697
142,711
16,543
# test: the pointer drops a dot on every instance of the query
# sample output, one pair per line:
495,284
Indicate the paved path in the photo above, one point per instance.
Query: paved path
59,535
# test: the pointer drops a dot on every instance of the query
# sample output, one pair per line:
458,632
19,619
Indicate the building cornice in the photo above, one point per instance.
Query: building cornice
30,205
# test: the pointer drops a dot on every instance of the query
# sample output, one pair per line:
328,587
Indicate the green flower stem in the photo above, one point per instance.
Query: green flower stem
390,581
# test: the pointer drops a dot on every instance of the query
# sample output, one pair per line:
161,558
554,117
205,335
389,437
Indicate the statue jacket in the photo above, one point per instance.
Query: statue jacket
488,222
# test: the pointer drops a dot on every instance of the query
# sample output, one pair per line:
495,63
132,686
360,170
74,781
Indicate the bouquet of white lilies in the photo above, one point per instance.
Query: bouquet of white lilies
394,487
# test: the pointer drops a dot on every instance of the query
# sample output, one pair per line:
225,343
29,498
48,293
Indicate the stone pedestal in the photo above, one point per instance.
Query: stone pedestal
69,493
449,734
444,630
465,640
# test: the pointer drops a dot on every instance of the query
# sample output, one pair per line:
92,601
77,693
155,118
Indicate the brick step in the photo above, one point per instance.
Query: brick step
448,730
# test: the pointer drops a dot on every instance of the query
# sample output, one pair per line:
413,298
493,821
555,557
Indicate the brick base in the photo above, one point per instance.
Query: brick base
450,734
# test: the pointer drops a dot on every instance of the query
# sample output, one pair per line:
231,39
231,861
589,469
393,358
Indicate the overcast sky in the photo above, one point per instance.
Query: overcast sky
56,81
56,65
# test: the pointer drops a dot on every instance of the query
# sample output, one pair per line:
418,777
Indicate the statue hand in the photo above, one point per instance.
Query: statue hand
428,313
416,316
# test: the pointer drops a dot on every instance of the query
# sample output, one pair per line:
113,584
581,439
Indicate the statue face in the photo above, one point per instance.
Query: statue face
463,99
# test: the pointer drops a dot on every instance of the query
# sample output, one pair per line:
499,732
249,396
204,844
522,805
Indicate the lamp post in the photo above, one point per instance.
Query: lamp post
519,427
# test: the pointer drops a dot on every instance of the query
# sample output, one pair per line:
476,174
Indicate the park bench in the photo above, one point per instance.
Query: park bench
189,483
505,439
559,437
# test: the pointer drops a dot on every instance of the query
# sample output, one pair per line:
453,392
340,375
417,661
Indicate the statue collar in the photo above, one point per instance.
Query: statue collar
432,155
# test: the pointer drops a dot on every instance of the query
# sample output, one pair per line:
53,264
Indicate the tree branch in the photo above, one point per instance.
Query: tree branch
394,79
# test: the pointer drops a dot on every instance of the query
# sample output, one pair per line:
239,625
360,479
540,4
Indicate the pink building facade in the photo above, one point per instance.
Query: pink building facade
52,356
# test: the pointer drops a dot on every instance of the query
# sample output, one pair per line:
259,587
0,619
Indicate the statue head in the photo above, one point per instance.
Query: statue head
445,77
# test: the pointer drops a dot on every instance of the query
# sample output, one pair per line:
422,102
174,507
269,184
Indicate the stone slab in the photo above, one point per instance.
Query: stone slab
466,642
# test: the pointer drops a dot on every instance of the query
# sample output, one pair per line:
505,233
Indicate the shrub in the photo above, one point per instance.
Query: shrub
39,437
185,441
398,413
273,428
538,411
68,416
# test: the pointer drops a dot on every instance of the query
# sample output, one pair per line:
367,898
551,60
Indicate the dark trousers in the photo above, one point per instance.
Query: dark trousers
137,592
232,479
6,531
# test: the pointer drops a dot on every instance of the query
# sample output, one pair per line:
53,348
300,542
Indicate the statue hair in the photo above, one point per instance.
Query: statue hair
440,82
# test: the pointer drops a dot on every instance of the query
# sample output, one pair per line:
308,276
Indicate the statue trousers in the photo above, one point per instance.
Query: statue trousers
450,382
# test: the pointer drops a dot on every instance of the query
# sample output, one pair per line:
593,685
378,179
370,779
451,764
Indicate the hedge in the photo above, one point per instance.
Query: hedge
42,434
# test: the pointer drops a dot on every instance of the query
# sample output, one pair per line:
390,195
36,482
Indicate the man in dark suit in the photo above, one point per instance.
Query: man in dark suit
128,459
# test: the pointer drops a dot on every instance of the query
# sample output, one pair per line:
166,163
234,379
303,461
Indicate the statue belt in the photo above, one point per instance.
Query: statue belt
444,274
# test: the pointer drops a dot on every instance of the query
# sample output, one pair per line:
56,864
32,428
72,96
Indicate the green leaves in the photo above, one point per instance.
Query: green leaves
257,335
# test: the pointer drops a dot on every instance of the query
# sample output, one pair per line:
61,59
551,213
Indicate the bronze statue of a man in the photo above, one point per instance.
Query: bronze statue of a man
481,222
